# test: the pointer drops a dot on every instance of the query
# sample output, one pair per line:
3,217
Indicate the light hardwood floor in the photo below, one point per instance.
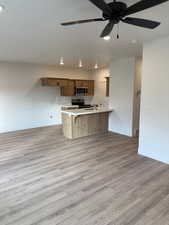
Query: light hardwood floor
46,179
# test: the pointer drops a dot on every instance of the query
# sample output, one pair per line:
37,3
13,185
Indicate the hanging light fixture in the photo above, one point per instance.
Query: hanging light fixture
61,61
80,63
96,66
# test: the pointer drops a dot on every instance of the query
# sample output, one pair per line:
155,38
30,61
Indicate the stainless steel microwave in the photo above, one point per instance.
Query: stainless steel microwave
81,91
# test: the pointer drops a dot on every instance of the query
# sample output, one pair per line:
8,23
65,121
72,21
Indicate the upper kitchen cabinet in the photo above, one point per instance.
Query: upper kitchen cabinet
84,87
54,82
69,90
90,88
81,83
70,87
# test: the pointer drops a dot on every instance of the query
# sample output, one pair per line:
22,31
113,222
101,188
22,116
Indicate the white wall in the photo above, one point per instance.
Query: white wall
122,74
24,103
154,133
100,87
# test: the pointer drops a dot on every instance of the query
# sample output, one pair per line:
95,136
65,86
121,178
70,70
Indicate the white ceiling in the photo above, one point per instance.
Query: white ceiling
30,32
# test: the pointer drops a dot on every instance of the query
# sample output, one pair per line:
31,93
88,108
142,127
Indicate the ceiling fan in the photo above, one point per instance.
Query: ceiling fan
116,11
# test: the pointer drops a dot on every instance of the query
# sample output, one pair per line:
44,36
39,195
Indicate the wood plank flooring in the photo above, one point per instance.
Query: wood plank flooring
46,179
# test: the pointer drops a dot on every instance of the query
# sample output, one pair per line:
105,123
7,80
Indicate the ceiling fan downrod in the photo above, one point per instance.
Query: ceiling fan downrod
118,36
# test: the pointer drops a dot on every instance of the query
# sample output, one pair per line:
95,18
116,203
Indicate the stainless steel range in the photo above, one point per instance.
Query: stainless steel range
80,103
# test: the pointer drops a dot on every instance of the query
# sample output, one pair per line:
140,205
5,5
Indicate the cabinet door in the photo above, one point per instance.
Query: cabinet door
78,83
71,83
69,90
85,83
90,88
63,83
54,82
81,83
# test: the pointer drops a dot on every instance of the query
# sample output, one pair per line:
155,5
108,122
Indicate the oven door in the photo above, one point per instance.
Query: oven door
82,91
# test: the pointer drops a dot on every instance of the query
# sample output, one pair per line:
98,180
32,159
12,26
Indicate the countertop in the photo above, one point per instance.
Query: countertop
69,107
78,112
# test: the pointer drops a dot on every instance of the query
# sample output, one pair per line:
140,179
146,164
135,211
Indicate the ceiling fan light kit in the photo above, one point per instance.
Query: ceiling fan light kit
107,38
1,8
62,61
117,11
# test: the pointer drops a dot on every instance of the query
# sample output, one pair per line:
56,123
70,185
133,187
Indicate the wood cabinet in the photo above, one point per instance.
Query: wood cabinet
54,82
69,90
81,83
84,125
90,88
89,84
68,86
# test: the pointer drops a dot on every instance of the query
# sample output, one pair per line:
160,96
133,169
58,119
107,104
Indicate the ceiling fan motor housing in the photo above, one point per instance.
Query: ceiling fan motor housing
118,10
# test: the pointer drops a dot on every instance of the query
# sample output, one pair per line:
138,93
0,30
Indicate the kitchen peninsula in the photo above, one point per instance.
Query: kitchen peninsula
84,122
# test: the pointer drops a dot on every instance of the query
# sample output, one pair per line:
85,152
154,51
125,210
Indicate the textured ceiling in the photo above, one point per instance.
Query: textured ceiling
31,32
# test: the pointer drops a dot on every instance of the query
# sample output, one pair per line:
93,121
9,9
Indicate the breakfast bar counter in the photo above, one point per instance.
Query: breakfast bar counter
84,122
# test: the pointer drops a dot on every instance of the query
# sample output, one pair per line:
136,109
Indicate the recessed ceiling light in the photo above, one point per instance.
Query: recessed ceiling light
96,66
134,41
1,8
80,64
107,38
61,61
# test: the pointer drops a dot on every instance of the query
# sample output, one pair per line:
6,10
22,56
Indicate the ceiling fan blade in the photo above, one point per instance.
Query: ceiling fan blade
142,5
107,30
141,22
82,21
101,4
